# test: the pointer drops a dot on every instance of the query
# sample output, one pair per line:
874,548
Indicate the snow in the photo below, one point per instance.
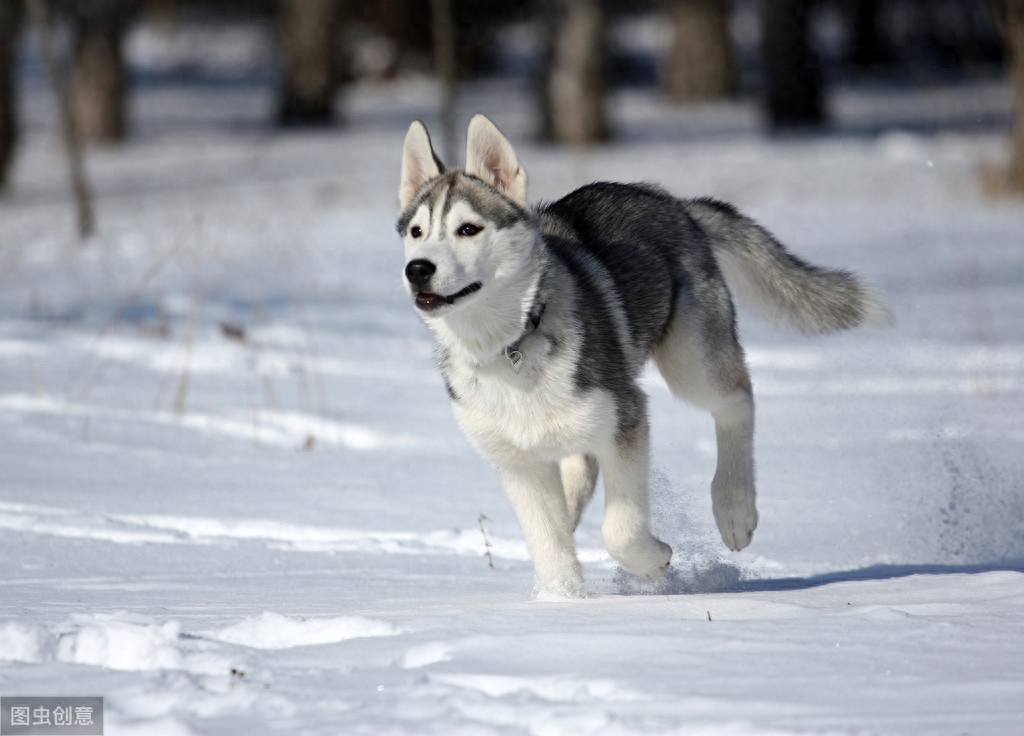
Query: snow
233,498
274,631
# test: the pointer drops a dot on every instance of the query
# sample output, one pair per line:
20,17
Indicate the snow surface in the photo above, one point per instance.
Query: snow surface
233,498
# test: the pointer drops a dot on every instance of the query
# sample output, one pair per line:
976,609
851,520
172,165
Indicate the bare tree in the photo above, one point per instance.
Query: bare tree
8,101
442,23
574,83
795,95
867,50
1012,16
98,80
699,65
41,12
310,77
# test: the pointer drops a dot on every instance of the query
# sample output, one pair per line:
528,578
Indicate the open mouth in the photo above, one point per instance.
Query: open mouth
428,301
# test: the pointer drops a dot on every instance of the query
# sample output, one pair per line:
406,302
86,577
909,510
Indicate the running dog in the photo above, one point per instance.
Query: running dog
544,317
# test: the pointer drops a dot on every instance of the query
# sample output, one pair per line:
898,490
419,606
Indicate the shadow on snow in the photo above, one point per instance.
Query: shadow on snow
724,577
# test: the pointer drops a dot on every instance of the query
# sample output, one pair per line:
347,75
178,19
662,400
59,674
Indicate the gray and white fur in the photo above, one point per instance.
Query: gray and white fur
545,316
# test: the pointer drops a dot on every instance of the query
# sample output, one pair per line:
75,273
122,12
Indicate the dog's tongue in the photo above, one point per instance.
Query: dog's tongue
426,300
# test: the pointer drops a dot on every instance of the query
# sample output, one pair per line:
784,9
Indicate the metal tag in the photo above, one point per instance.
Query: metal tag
515,358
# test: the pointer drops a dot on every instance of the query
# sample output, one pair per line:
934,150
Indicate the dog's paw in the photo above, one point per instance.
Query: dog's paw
648,560
560,590
736,522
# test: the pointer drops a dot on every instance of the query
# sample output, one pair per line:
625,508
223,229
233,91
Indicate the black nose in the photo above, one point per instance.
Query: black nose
419,271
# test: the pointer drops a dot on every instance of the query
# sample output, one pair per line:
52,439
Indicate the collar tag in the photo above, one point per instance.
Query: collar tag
512,351
515,358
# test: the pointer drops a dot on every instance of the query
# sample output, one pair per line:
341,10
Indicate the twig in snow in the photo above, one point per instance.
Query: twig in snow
181,396
90,373
233,332
487,542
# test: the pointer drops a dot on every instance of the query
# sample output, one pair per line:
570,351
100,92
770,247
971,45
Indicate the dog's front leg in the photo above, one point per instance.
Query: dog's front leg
535,490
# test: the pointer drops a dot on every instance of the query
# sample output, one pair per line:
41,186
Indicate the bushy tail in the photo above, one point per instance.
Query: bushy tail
766,277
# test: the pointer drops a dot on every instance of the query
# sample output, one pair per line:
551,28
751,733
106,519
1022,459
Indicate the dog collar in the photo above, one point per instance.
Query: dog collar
511,352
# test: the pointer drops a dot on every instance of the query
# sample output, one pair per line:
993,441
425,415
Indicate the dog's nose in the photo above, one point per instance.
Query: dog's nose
419,271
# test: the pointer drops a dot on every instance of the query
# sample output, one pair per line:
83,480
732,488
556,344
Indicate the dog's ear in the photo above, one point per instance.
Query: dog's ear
419,163
490,157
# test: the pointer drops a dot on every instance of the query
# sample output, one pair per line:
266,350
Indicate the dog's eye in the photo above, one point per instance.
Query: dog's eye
468,229
415,231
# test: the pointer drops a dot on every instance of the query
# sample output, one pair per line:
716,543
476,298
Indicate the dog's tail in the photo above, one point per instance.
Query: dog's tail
784,289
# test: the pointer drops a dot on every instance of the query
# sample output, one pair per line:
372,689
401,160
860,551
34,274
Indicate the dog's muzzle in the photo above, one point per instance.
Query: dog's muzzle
418,272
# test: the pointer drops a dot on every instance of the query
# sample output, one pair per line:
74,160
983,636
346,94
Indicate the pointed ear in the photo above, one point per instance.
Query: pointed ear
490,157
419,163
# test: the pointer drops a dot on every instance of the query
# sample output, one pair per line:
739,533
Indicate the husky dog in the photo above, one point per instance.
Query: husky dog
545,316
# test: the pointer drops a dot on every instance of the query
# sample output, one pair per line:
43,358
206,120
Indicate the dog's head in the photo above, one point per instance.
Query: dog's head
458,226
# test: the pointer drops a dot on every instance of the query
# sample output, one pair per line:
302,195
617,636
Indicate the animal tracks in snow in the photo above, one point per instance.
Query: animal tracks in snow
134,643
553,689
274,631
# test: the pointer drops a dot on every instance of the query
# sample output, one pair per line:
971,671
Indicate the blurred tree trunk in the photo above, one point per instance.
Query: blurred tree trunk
795,94
700,63
866,48
9,12
98,80
309,35
41,15
1013,25
574,83
442,24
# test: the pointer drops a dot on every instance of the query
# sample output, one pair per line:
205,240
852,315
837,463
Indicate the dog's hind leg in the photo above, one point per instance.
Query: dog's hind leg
703,363
579,478
733,499
626,529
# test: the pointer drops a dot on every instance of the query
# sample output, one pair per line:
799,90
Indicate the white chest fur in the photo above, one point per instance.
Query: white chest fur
537,411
